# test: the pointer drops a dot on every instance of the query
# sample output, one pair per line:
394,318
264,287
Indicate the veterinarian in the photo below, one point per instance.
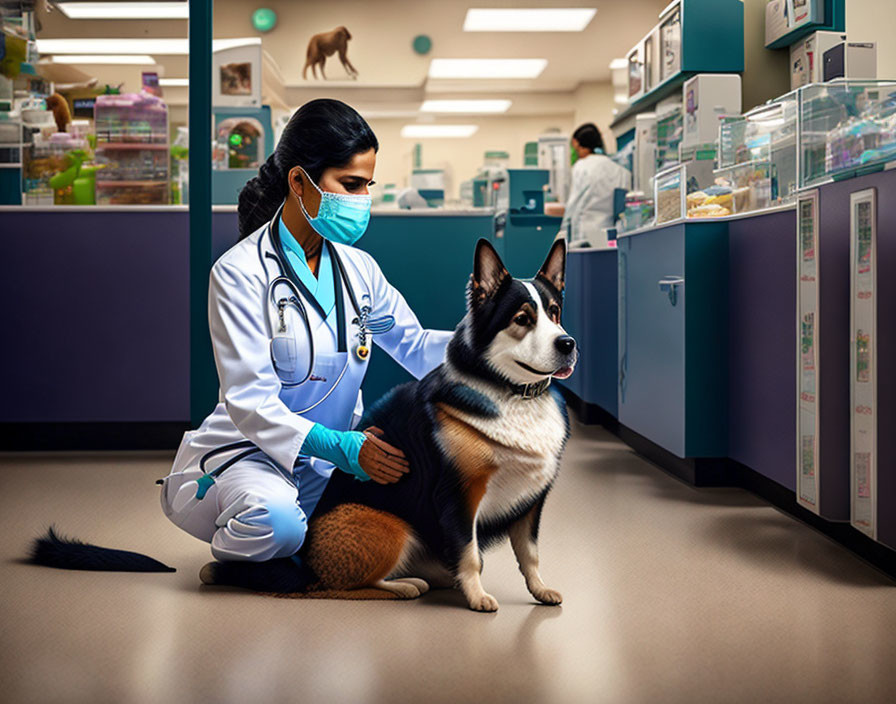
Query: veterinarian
293,308
595,177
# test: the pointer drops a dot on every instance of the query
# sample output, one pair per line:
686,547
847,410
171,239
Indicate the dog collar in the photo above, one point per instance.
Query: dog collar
533,390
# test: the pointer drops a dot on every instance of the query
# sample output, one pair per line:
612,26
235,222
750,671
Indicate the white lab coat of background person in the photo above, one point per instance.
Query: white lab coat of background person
589,207
256,509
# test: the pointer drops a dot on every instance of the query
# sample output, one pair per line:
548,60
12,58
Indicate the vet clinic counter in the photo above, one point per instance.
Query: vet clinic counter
98,322
687,333
689,342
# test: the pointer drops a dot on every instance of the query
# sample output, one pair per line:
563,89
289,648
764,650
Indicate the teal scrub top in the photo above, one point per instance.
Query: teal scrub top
322,287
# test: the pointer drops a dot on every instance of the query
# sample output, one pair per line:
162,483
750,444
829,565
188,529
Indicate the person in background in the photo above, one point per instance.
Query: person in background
595,177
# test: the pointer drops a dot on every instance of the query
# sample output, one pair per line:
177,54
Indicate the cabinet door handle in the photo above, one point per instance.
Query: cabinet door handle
670,286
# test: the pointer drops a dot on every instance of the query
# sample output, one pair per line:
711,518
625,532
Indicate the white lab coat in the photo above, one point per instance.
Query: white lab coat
255,405
589,207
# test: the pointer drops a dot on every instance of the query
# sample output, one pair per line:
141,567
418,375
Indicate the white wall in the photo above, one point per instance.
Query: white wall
461,158
594,103
874,21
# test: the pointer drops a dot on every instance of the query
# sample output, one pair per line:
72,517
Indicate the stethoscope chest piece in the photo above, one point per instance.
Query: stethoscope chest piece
370,326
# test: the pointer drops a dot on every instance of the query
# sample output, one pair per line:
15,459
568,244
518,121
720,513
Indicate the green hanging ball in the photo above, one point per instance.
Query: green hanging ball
264,19
422,44
236,140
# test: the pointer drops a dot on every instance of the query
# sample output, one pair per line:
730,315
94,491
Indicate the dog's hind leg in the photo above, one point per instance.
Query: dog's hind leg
355,547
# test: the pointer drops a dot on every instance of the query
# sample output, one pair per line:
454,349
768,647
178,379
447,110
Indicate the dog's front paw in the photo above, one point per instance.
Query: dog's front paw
548,596
484,602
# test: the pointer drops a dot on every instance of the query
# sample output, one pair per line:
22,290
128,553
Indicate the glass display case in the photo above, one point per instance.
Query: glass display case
638,212
687,190
131,150
758,156
669,194
845,127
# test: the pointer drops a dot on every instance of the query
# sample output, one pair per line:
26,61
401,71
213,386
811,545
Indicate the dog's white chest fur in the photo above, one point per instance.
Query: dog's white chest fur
527,437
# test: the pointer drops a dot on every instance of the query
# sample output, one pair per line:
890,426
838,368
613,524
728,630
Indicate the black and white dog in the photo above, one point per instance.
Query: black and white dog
483,434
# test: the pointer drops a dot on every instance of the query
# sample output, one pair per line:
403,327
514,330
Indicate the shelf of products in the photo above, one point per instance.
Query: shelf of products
691,37
132,152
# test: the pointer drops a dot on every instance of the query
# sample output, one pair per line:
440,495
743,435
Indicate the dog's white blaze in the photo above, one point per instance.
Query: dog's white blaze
528,438
536,349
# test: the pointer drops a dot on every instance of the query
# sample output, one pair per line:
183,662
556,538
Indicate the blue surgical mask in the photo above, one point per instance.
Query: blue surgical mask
342,217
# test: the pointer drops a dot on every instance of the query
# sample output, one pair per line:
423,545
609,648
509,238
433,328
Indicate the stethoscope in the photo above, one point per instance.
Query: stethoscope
367,326
298,291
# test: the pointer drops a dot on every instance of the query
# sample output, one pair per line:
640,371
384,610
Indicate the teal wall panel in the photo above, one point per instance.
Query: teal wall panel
428,258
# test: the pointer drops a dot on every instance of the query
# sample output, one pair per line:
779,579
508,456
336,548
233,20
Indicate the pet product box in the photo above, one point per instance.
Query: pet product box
706,99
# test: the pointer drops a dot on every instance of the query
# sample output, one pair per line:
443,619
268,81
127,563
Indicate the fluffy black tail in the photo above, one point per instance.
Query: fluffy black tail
70,554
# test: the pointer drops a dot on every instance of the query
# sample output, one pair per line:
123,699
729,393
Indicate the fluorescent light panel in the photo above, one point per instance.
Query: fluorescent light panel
96,59
570,19
465,106
415,131
160,47
486,68
125,10
174,82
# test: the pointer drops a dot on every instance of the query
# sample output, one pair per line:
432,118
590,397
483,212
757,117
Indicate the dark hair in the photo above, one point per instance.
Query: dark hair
588,136
321,134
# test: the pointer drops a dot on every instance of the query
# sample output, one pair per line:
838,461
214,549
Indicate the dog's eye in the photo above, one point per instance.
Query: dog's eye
523,319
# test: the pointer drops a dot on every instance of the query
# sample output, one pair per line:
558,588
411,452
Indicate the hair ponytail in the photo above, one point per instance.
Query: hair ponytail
321,134
261,196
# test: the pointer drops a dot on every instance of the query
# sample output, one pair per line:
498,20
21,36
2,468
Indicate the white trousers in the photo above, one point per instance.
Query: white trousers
251,512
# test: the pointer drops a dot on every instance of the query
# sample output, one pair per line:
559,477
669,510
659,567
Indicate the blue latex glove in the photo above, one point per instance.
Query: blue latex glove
336,446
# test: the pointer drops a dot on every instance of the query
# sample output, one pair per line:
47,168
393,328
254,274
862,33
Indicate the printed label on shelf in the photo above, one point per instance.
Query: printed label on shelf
863,425
808,480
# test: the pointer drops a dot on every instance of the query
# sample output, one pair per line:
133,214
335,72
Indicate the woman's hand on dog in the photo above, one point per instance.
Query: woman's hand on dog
384,463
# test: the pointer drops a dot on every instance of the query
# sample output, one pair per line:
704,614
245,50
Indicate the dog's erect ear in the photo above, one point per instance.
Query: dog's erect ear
488,272
554,268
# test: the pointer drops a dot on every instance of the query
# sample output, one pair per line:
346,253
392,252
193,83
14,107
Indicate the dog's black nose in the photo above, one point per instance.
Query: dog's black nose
565,344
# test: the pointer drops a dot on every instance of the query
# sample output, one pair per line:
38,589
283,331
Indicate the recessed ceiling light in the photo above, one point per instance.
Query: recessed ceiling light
571,19
130,59
486,68
465,106
414,131
174,82
125,10
133,46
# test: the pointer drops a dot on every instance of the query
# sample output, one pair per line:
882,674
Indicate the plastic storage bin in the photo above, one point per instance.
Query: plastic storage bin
846,128
758,156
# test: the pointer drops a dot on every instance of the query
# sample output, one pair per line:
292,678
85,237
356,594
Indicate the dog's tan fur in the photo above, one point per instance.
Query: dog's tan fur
325,44
353,549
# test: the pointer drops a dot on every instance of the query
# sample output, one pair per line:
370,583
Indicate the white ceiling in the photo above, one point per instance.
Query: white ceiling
391,75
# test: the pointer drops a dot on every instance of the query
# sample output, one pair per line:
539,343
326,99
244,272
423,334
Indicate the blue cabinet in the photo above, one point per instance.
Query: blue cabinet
589,315
672,380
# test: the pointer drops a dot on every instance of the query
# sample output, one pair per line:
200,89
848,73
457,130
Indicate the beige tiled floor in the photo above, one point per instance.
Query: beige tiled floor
672,594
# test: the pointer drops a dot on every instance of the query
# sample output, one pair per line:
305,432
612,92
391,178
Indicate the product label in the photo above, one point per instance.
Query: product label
807,354
862,361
